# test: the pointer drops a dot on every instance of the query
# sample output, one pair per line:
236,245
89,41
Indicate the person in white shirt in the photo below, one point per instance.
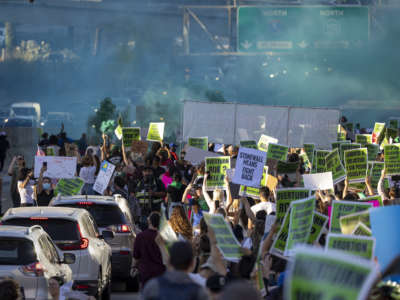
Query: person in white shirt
88,172
26,187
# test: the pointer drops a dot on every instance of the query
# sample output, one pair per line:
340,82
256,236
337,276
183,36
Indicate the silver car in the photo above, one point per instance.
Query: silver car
111,213
28,255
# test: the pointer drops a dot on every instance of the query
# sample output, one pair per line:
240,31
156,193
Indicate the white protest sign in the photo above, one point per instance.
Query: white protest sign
249,167
57,166
265,140
196,156
156,132
318,181
105,174
269,221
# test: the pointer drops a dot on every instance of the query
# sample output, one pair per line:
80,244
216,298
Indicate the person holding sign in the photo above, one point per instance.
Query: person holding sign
218,195
44,191
88,172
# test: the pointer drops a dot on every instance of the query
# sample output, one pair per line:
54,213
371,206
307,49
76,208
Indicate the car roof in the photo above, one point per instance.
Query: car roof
107,200
18,231
44,211
25,104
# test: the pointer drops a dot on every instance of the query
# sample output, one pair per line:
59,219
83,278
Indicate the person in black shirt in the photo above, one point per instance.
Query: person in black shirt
45,190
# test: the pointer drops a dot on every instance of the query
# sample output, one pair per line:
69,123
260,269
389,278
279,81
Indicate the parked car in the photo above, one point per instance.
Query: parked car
74,231
28,255
111,213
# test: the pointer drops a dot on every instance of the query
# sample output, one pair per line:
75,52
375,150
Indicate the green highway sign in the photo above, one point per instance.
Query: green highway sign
301,28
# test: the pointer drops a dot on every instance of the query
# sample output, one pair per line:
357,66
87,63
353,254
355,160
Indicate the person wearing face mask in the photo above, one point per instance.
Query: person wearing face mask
44,191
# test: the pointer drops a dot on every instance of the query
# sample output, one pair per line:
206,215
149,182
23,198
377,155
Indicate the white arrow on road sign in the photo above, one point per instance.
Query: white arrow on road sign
246,44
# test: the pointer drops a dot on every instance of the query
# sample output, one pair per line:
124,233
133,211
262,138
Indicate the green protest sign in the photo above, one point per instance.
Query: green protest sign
341,136
392,159
375,198
217,167
345,147
306,162
156,132
349,222
344,208
264,141
356,162
363,139
375,173
356,245
287,167
319,223
130,134
328,275
249,144
377,134
284,197
394,124
226,241
337,144
373,151
319,165
277,152
69,187
333,164
391,133
279,244
361,229
201,143
301,220
309,149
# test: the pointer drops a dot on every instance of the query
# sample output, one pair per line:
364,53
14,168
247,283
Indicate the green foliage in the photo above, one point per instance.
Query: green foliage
106,112
215,96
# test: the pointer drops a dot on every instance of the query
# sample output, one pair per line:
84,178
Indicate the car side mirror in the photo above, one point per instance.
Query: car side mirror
107,235
69,258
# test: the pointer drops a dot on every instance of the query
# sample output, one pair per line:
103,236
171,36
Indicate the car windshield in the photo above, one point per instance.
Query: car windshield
24,111
18,123
16,251
104,215
58,229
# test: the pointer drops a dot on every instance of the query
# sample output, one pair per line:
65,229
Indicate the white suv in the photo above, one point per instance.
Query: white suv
29,256
73,230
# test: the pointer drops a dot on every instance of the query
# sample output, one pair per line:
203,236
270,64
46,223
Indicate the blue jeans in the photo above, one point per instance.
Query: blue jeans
87,189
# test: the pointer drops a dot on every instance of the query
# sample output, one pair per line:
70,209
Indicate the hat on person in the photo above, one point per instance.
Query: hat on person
209,264
216,283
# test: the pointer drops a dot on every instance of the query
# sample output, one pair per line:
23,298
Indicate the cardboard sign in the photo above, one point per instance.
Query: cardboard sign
196,156
277,152
104,177
318,226
361,229
156,132
249,144
344,208
377,134
130,134
319,165
309,150
392,159
201,143
319,181
363,139
57,166
361,246
356,162
346,146
300,224
217,167
334,165
226,240
69,187
264,141
139,147
328,275
284,197
349,222
249,167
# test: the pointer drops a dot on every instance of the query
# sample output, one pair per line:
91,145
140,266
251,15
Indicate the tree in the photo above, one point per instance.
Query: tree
106,111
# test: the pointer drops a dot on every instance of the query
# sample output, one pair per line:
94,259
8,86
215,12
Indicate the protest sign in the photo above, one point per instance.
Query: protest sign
337,144
377,134
376,172
156,132
50,151
104,176
69,187
266,180
166,231
361,246
130,134
277,152
269,221
344,208
356,162
306,162
309,149
226,240
196,156
376,200
391,134
247,191
57,166
284,197
349,222
249,167
392,159
279,244
347,146
249,144
264,141
334,165
217,167
287,167
139,147
318,181
394,123
328,275
385,223
201,143
363,139
361,229
373,151
319,165
341,136
301,220
318,225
